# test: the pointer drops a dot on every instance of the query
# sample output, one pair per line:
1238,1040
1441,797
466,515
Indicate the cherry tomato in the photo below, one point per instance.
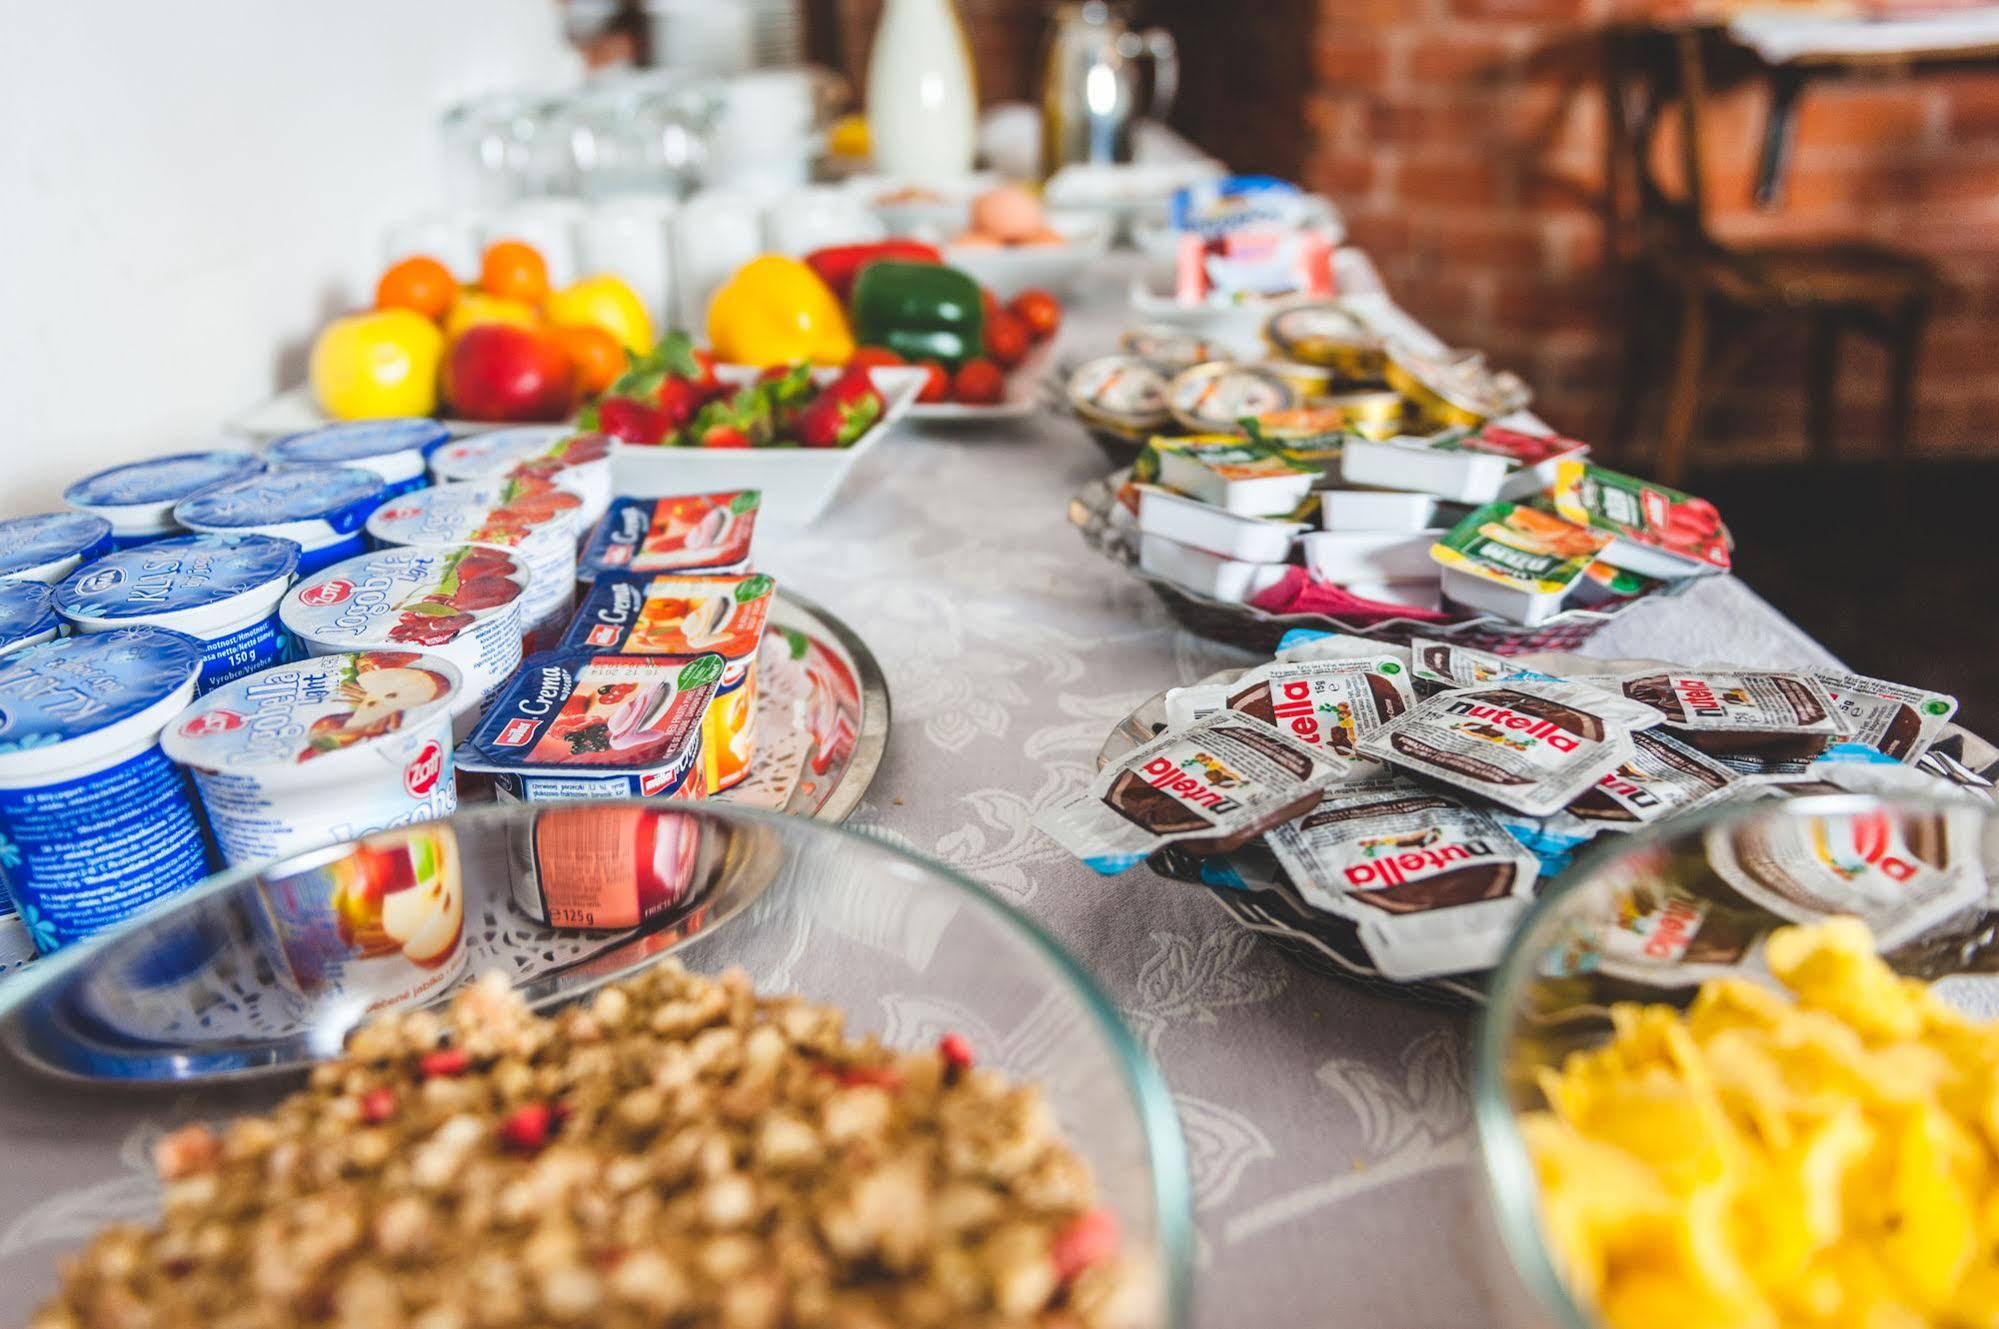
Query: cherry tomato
1006,339
936,384
1040,311
978,383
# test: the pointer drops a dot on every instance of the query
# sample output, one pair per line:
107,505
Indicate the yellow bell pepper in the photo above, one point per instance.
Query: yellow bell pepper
776,311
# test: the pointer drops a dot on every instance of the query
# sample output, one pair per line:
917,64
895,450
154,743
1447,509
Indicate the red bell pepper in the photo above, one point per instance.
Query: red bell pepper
839,265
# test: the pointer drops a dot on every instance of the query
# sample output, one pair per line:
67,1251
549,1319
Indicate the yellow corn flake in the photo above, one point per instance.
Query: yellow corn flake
1830,1159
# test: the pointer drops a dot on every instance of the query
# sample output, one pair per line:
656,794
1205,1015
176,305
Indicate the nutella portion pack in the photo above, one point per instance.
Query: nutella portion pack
1209,788
1896,720
1330,704
1663,778
1527,744
1435,885
1439,666
1754,712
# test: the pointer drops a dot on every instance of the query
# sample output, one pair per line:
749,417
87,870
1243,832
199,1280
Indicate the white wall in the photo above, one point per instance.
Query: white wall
188,188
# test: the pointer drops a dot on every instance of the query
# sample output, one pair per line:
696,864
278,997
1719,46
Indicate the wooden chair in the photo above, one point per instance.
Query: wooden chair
1683,280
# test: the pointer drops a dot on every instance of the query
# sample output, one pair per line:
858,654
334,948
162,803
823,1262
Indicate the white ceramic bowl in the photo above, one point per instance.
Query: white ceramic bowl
798,484
1007,270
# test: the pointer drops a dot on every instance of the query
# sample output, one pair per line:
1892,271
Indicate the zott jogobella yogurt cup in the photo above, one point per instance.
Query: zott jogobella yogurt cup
462,602
138,498
220,589
98,823
687,616
686,534
575,725
531,520
28,615
579,463
328,748
397,450
51,545
322,509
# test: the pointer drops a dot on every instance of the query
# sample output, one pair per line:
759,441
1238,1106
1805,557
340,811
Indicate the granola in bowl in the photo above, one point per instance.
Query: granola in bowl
676,1150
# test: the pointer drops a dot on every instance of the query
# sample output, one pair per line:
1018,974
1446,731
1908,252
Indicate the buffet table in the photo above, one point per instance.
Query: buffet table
1329,1128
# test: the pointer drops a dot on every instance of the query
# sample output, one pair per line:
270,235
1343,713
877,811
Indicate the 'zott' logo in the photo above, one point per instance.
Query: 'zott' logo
326,593
421,775
211,722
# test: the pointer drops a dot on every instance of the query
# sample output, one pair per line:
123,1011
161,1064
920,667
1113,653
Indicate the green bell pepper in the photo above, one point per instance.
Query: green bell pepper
921,311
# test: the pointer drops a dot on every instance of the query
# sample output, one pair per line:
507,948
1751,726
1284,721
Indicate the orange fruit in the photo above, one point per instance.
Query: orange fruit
596,355
420,283
514,270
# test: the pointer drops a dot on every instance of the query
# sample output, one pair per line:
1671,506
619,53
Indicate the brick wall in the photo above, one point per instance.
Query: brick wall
1465,139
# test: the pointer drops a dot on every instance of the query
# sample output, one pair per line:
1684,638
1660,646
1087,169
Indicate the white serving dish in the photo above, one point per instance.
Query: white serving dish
1378,510
1527,608
1345,557
1007,270
1461,477
798,484
1206,574
1189,521
945,214
1025,384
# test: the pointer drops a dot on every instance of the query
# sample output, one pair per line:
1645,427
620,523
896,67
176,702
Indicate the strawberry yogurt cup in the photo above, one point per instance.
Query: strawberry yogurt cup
459,602
97,823
321,509
138,498
397,450
530,519
579,463
51,545
329,748
220,589
691,534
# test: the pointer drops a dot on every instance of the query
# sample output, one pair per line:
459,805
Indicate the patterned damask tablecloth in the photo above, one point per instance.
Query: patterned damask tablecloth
1329,1128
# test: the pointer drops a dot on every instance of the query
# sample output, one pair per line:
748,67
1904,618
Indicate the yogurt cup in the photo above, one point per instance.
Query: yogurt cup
50,546
321,509
579,463
138,498
688,616
397,450
577,725
223,590
27,615
328,748
459,602
98,823
536,524
686,535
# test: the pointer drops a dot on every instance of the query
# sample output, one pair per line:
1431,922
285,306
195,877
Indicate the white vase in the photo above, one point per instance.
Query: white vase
922,100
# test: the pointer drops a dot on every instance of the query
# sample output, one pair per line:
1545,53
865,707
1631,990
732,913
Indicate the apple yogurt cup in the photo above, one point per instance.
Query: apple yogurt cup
321,509
96,821
459,602
28,615
138,498
329,748
51,545
397,450
220,589
577,462
535,522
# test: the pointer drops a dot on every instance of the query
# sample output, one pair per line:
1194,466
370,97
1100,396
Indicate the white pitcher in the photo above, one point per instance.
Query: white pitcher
922,99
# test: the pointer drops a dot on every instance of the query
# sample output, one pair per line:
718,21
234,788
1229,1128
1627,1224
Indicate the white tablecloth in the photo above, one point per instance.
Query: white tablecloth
1781,37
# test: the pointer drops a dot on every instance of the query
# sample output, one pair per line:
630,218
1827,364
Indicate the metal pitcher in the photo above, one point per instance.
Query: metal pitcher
1090,83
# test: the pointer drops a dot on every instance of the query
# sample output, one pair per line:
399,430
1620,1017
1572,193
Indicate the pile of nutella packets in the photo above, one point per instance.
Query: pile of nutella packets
214,658
1418,794
1368,482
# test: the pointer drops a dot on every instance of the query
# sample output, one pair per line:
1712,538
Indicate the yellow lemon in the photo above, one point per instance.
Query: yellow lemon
377,365
603,301
474,308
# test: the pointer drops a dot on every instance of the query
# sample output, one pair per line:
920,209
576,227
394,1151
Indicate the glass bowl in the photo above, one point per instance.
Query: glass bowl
258,972
1648,917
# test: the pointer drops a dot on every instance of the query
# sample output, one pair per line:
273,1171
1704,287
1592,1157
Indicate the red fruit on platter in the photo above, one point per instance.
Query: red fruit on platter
678,400
978,383
706,381
830,422
723,436
633,421
484,593
936,382
498,372
1007,339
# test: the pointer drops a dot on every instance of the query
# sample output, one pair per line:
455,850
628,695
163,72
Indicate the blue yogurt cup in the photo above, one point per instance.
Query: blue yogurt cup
223,590
138,499
97,823
397,450
48,547
27,615
322,509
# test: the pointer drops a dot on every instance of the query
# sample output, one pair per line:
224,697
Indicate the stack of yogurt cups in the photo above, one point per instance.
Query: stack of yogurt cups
579,463
322,509
138,499
396,450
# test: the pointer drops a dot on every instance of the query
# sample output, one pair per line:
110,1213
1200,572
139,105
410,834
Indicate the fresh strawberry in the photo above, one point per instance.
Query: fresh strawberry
678,400
703,374
833,421
723,436
633,421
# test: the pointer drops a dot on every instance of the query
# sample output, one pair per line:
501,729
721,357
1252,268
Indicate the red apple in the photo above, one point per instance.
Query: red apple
498,372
